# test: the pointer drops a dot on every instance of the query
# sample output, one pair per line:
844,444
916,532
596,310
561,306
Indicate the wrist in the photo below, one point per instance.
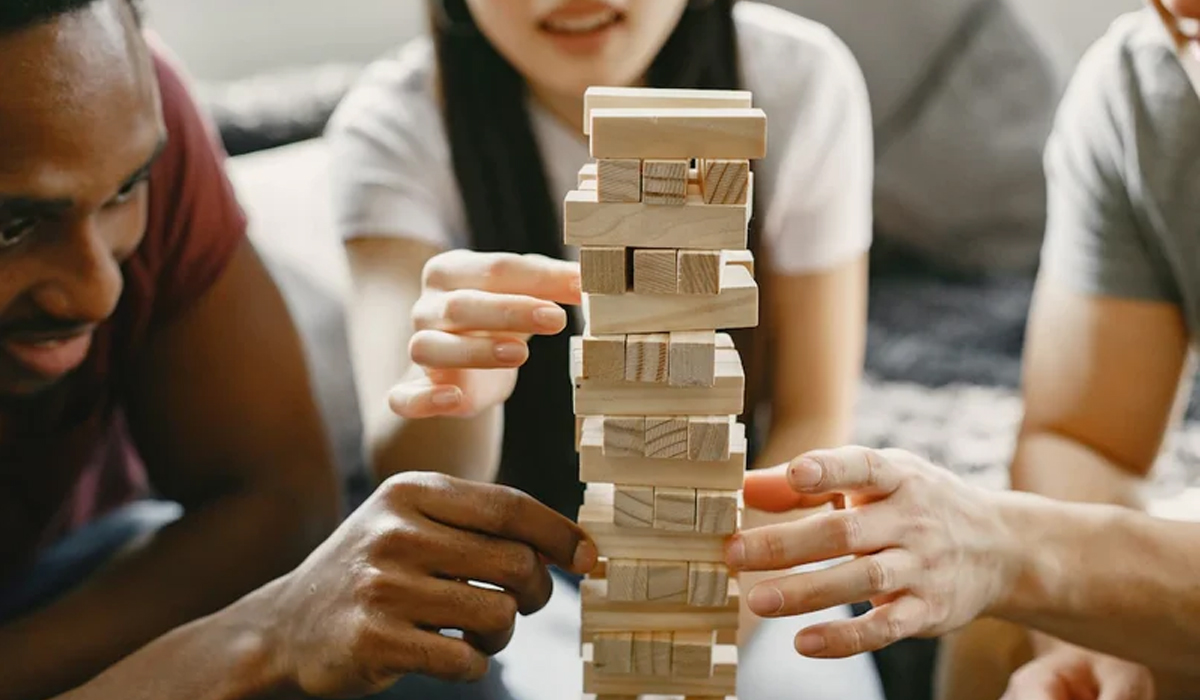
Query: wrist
1022,574
258,658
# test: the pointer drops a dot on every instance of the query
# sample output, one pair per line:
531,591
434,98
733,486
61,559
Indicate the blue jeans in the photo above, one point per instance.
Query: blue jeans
78,556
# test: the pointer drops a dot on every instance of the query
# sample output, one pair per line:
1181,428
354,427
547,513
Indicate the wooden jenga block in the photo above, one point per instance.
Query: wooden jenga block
699,272
625,436
716,511
588,186
643,653
692,358
600,613
612,652
579,422
674,508
649,98
646,358
679,133
655,271
595,467
604,357
660,653
587,173
735,306
666,437
691,654
724,181
619,180
721,684
589,222
626,580
637,543
708,437
633,506
603,270
665,182
708,585
742,258
666,581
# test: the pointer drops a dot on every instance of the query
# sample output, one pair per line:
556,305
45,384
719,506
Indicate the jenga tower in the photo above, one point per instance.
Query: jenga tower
661,219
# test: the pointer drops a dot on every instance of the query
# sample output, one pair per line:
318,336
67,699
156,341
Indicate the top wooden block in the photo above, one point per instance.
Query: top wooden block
729,134
656,98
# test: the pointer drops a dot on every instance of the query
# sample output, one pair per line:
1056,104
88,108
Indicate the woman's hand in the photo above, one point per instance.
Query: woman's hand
928,551
1072,673
475,315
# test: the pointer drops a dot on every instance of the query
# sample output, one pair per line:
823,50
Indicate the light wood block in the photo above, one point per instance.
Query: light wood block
665,182
646,358
699,272
724,181
741,258
666,437
604,357
735,306
736,134
587,173
660,652
691,358
601,613
612,652
588,186
626,580
674,508
708,437
726,396
579,432
595,467
589,222
691,654
655,271
716,511
619,180
633,506
603,270
722,682
629,543
649,98
708,585
666,581
625,436
643,653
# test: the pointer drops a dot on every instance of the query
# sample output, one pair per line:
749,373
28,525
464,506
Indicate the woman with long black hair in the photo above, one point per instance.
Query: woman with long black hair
451,159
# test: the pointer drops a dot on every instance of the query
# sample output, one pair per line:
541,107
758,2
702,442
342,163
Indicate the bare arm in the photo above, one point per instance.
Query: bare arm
224,418
387,272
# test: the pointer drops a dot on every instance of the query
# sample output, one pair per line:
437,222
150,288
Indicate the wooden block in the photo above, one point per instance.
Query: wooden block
722,682
612,652
691,654
579,420
603,270
708,585
674,508
589,222
716,511
588,186
666,581
633,506
619,180
665,182
660,653
741,258
692,358
604,357
601,613
646,358
724,181
739,134
595,467
624,97
587,173
655,271
643,653
626,581
708,437
625,436
735,306
699,272
630,543
666,437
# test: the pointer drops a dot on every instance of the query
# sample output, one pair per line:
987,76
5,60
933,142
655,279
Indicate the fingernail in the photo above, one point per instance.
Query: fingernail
444,397
548,318
509,352
735,554
765,600
810,643
805,473
585,557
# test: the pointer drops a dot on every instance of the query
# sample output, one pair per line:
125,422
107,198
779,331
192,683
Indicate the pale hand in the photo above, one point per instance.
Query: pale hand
927,549
1071,673
472,324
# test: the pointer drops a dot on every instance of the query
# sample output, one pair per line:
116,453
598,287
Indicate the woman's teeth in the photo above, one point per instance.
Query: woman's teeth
582,24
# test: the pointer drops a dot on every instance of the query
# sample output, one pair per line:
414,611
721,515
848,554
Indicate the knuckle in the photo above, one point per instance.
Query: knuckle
437,271
874,462
880,578
457,305
499,613
370,588
774,548
845,531
422,347
519,565
501,507
459,660
502,265
895,628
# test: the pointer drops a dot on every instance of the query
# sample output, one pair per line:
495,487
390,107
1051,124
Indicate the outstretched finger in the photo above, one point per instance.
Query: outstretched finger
474,310
441,350
855,581
419,398
506,273
769,490
845,470
881,627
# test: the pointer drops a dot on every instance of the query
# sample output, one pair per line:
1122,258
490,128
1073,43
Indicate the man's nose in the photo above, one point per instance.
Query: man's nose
86,281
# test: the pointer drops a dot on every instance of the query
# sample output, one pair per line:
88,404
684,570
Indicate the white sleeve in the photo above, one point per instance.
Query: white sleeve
820,214
390,164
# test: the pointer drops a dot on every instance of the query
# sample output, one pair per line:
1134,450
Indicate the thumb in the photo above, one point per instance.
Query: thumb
1124,686
768,490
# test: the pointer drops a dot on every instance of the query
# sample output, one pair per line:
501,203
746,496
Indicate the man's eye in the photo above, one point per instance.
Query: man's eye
126,193
14,231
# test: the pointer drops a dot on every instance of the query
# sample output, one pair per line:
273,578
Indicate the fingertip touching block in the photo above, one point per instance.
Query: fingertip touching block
708,585
692,358
619,180
624,436
665,182
724,181
604,358
646,358
699,271
716,512
674,508
666,437
604,270
708,437
655,271
666,581
633,506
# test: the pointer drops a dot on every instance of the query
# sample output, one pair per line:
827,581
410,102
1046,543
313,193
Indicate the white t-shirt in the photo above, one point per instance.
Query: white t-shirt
393,176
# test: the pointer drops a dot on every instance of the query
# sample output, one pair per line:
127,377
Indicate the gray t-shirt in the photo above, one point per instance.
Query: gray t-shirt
1123,172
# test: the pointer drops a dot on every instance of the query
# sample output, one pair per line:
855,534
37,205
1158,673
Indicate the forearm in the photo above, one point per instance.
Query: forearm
1107,578
467,448
210,557
1064,469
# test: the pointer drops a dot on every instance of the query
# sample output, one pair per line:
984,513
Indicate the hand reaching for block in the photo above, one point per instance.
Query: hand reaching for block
472,324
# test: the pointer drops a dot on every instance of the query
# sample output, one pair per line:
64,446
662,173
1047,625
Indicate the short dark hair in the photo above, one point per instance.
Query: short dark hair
22,14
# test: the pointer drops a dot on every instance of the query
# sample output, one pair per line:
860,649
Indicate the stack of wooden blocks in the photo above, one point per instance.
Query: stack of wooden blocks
661,221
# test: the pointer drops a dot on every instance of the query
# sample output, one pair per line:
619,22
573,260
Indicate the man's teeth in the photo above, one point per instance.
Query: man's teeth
1189,27
581,25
